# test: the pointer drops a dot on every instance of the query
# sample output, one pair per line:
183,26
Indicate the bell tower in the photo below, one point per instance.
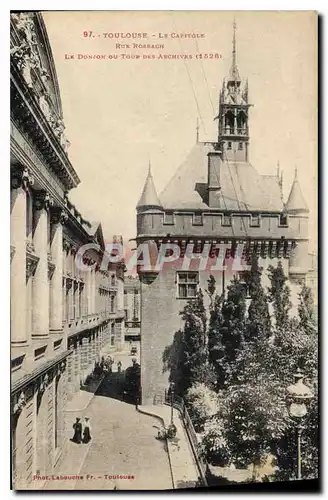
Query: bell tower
233,131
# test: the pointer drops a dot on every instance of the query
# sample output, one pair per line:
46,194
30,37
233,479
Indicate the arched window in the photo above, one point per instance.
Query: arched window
241,123
229,123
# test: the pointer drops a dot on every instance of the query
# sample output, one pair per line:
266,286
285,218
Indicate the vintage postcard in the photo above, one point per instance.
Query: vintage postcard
164,325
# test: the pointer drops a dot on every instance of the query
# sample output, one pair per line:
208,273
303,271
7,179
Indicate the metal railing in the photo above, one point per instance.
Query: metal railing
179,404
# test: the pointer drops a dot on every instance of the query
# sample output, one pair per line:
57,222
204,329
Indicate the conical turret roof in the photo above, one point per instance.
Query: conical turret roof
149,196
296,201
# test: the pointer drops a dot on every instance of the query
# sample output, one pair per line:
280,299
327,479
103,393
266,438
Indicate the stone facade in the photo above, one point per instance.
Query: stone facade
61,315
215,197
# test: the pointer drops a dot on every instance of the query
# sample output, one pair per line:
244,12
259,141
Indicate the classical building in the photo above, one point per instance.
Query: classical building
215,197
132,308
62,314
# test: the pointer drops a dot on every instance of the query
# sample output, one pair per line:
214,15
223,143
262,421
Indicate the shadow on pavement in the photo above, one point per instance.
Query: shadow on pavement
112,386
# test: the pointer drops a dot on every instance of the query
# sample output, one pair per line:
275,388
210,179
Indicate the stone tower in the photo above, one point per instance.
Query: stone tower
215,197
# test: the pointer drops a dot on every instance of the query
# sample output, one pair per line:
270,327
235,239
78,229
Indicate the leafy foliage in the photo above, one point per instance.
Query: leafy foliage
258,324
202,404
194,343
279,295
253,421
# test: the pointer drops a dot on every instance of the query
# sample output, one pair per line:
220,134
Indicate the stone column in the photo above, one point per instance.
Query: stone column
19,181
41,282
58,218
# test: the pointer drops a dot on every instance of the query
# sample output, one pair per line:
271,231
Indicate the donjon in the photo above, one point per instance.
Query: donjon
215,197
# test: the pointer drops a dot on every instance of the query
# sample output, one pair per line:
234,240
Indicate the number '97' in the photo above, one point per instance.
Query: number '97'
87,34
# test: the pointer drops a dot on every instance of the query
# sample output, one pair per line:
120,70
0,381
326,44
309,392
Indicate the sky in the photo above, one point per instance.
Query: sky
122,113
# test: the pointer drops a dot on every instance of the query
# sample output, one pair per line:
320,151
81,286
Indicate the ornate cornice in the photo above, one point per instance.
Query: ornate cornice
42,200
31,120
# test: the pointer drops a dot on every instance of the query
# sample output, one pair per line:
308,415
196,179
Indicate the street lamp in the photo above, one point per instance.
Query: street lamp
172,395
299,395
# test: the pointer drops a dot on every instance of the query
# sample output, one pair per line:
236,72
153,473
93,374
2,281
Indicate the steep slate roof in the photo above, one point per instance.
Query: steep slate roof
296,201
149,195
242,187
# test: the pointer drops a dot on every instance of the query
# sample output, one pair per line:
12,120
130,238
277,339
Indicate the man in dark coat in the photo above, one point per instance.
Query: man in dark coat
77,426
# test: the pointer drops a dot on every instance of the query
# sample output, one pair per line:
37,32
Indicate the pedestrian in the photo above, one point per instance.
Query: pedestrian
119,366
77,426
86,430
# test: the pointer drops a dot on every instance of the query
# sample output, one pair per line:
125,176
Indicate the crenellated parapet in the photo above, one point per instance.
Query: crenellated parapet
155,223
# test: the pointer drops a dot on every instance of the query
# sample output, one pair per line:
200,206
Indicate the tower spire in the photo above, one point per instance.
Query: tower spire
234,73
197,131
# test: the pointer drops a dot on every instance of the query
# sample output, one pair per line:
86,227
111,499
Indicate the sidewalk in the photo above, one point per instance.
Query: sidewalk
83,398
184,469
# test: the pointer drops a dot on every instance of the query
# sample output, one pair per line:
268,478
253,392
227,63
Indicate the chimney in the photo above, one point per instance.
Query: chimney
213,182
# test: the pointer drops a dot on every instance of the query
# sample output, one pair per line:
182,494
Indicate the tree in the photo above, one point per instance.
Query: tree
306,310
253,420
194,340
279,295
202,404
258,325
226,330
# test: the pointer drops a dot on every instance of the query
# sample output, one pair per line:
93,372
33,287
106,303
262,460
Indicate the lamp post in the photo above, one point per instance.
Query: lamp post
299,395
172,396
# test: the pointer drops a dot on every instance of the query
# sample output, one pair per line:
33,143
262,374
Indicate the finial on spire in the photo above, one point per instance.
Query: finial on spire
295,173
197,131
278,169
149,168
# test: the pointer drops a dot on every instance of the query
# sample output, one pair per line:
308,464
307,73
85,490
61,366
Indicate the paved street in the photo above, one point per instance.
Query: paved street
123,444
